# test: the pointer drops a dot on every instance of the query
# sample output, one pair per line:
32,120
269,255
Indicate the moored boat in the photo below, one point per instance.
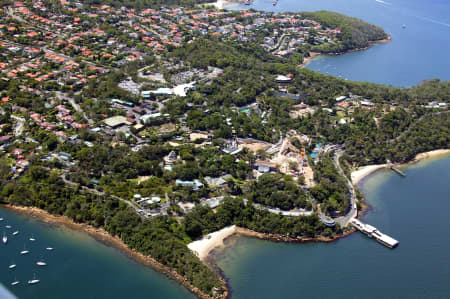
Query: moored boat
34,280
24,251
15,281
5,238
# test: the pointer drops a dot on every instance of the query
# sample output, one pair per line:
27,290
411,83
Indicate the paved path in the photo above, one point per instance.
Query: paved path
353,212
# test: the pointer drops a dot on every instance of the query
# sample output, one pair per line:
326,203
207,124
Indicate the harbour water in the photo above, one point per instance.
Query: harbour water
414,210
418,51
78,267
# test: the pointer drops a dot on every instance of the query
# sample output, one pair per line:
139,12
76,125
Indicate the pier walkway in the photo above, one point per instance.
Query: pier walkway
373,232
392,166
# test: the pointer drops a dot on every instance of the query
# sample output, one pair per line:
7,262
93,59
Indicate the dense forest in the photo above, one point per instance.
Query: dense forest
161,238
331,191
203,220
355,33
276,190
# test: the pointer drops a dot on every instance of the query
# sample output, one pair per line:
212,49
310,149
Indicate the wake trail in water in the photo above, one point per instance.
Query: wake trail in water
383,2
431,20
423,18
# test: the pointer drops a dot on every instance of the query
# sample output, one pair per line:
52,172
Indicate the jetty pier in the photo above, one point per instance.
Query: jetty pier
392,166
373,232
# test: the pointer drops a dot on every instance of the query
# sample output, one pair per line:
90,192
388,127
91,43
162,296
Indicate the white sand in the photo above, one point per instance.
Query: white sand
430,154
220,4
364,171
204,246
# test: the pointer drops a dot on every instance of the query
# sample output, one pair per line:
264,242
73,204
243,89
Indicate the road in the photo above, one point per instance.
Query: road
277,211
353,212
101,193
75,106
279,43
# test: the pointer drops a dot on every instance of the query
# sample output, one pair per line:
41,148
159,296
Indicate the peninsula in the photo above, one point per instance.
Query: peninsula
165,125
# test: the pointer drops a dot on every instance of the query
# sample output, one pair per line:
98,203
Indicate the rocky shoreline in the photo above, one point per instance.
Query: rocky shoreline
103,236
314,55
280,238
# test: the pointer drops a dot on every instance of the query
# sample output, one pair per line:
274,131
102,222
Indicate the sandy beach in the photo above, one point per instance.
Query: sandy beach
431,154
222,4
204,246
364,171
307,60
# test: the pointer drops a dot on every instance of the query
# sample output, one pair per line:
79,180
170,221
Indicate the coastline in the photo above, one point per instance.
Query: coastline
209,243
222,4
314,55
104,237
363,172
204,246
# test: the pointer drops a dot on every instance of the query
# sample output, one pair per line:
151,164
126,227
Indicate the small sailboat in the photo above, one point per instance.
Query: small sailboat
24,251
41,262
1,219
32,239
15,282
403,26
15,233
5,238
34,280
8,226
12,266
49,248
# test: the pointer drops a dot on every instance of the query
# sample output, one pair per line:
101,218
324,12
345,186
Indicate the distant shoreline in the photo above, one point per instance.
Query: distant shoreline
362,173
314,55
104,237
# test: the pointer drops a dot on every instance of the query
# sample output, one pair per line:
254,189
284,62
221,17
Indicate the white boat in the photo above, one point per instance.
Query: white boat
12,266
49,248
8,226
5,238
32,239
1,219
15,233
34,280
24,251
15,281
41,263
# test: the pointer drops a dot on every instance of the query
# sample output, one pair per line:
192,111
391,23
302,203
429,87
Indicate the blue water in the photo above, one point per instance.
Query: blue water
420,51
78,267
413,210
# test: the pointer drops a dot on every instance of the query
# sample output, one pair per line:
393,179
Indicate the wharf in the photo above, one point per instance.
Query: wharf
392,166
373,232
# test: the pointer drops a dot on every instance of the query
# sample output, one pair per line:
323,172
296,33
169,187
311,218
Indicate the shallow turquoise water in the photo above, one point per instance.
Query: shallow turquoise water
414,210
